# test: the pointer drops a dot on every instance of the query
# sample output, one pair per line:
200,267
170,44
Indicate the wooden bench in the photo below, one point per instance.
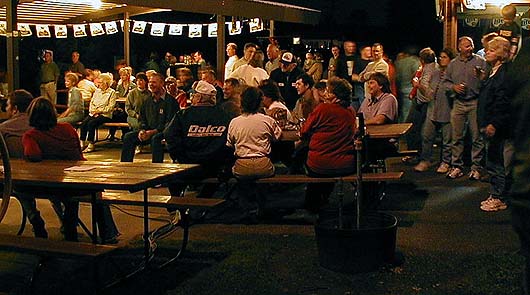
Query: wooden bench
109,125
45,248
301,178
180,205
374,193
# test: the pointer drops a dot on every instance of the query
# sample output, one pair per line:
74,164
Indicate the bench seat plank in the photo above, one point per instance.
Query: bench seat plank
159,200
282,178
53,247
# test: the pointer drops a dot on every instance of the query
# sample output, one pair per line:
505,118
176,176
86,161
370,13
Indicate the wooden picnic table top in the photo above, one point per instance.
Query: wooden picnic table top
95,175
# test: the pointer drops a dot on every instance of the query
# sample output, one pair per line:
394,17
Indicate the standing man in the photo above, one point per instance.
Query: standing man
49,74
378,65
77,67
463,85
333,60
346,65
273,54
248,53
231,52
360,65
285,77
155,114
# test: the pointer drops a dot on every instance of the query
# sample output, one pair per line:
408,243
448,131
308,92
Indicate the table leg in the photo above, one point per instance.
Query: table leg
94,218
146,228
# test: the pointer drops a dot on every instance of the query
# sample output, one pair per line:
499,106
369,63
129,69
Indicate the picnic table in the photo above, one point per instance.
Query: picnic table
93,177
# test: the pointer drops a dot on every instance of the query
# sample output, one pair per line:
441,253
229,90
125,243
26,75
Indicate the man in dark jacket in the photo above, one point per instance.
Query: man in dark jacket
198,135
285,77
155,114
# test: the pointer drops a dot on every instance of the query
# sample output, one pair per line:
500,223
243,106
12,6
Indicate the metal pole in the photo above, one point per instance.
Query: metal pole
221,47
126,39
13,71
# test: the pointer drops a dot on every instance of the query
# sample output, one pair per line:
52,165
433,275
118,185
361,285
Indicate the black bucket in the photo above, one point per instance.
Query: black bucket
356,250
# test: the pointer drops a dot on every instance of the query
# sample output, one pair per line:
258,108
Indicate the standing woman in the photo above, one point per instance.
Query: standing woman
251,135
100,111
56,141
330,130
495,122
76,110
438,116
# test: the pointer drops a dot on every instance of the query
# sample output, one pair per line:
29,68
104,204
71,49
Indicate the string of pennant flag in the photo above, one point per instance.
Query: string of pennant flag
137,27
495,22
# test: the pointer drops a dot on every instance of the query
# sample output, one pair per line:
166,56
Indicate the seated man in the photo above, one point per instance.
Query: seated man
12,130
155,114
380,108
198,135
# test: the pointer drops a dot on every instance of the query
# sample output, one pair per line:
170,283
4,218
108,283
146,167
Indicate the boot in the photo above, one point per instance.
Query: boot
38,227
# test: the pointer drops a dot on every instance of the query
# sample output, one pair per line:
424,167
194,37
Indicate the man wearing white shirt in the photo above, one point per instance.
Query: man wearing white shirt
231,49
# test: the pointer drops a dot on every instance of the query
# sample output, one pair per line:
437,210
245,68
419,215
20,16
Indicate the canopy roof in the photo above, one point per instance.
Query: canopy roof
81,11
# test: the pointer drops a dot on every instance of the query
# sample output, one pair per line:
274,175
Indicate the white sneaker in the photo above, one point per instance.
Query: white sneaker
455,173
90,148
493,205
443,168
474,175
138,150
489,200
422,166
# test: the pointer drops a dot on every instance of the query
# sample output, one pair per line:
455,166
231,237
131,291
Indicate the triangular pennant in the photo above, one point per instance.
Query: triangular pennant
212,30
79,31
175,29
3,28
60,31
139,27
157,29
111,28
96,29
525,23
195,31
496,22
234,28
25,30
256,25
43,31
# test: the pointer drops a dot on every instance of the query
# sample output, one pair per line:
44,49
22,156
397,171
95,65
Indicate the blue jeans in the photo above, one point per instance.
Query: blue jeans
130,141
430,128
497,164
466,112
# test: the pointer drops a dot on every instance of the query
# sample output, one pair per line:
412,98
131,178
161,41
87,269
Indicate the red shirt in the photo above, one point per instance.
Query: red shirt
331,129
59,143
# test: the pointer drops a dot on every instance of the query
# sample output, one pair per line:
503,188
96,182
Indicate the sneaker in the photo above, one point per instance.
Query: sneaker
455,173
443,168
138,150
422,166
90,148
474,175
493,206
488,200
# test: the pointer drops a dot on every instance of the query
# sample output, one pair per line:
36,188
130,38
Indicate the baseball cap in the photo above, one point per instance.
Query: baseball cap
204,87
288,58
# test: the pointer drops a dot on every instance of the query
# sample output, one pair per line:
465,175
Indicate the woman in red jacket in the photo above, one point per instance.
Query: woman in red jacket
330,130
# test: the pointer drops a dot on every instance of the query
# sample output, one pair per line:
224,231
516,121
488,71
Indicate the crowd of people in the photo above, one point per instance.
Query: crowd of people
236,124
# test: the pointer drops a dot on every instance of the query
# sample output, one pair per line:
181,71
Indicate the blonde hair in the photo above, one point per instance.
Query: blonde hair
501,47
125,70
72,78
106,78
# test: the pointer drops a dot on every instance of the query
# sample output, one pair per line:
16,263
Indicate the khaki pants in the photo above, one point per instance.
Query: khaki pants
49,91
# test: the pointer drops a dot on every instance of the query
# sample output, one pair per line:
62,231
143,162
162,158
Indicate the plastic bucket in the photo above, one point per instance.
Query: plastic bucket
356,250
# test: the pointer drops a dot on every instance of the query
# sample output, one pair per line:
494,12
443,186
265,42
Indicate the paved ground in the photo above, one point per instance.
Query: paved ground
445,244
